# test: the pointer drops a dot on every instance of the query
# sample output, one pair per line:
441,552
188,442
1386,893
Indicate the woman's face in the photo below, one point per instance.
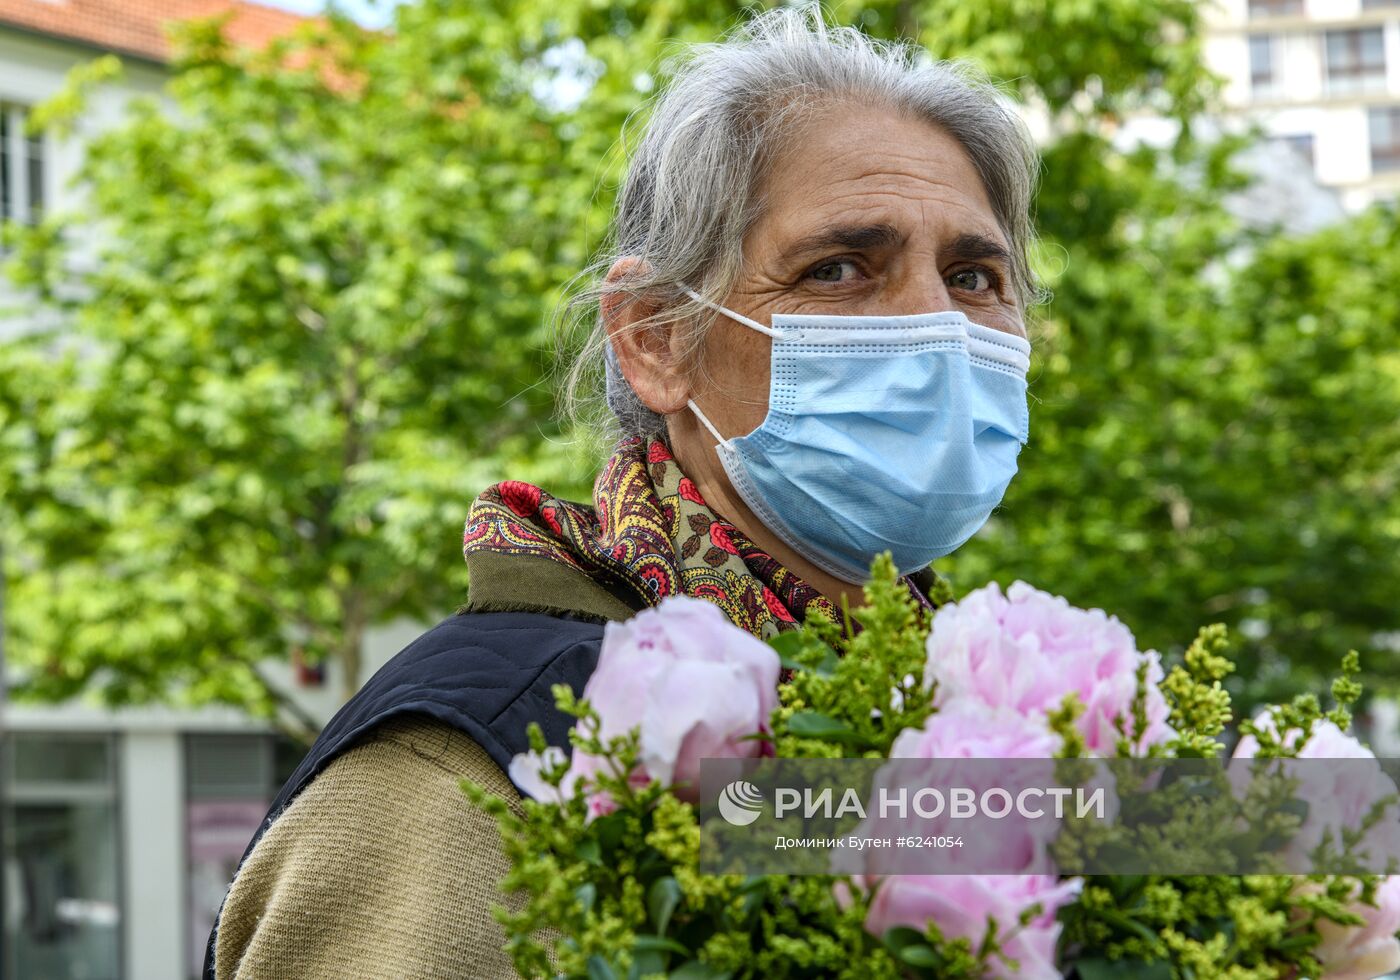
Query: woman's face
867,213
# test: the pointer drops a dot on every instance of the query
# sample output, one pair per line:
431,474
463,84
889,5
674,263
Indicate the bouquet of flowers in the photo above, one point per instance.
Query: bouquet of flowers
606,879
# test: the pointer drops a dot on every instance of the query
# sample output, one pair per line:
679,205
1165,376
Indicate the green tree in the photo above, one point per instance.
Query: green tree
1220,443
319,324
315,330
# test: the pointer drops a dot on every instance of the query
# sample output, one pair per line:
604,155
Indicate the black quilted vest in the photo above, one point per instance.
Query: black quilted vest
486,674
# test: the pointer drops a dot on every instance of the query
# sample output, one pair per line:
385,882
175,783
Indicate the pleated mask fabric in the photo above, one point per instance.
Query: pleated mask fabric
883,433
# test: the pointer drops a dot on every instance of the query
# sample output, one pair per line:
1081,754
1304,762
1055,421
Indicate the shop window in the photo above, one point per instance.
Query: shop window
61,859
230,782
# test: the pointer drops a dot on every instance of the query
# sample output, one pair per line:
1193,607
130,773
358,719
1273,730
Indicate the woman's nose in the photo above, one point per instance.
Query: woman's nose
925,295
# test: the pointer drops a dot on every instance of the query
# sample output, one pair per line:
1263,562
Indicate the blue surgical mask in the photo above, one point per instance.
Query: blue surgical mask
883,433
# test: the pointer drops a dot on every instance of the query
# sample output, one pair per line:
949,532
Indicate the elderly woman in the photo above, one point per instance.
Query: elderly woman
812,331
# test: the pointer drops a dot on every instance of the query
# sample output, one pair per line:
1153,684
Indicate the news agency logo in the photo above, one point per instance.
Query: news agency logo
740,803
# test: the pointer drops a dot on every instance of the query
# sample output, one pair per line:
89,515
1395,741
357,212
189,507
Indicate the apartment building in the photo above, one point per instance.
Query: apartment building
1321,77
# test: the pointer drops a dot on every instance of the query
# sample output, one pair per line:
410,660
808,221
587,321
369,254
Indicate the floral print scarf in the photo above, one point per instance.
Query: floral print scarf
650,532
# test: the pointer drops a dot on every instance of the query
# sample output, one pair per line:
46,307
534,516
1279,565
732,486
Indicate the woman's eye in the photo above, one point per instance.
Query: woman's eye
834,271
973,280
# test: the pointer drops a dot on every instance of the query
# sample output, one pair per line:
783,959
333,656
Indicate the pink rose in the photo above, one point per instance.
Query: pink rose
692,682
1027,649
963,904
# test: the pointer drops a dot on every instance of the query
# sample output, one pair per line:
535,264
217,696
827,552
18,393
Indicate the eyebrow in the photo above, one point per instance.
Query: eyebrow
971,246
966,246
854,237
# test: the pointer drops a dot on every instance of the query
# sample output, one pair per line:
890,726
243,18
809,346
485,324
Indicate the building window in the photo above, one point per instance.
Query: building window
1274,8
21,168
1261,64
61,858
1301,144
1355,59
230,781
1385,138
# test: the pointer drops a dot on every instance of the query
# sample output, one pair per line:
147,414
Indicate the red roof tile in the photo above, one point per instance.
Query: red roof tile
138,26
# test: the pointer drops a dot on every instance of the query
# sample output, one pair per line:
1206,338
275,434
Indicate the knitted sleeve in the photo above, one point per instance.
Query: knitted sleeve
380,867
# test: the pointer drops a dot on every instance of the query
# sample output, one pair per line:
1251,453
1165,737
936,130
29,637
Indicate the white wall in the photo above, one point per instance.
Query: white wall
151,773
1332,9
32,70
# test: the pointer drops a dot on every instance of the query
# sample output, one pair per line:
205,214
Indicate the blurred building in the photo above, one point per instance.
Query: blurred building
1321,77
121,828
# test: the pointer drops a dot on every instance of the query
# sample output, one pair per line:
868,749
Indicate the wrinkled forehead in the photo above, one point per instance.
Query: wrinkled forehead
850,175
847,168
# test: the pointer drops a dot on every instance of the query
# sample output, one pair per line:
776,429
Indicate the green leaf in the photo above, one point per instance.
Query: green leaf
920,955
789,644
586,895
810,724
658,944
646,963
663,897
600,969
899,937
1100,968
696,970
589,851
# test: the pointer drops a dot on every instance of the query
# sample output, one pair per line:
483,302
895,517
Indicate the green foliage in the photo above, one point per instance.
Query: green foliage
619,894
825,708
1221,926
1200,706
315,328
1213,435
319,321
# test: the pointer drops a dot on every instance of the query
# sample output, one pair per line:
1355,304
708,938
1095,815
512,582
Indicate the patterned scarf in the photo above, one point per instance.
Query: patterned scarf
650,532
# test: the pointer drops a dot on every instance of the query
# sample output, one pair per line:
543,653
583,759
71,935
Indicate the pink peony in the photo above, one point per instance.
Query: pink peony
693,683
1027,649
1365,951
963,904
936,756
1327,741
1339,797
526,771
966,729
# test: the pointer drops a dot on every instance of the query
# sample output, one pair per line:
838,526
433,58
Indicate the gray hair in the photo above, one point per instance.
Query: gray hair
691,190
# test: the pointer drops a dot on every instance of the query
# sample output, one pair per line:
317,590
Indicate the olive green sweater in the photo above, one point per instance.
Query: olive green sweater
379,868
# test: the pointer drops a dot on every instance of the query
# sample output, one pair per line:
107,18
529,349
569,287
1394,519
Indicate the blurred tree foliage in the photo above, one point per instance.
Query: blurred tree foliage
318,324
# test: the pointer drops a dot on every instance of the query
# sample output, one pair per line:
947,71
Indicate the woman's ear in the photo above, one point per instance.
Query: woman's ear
650,355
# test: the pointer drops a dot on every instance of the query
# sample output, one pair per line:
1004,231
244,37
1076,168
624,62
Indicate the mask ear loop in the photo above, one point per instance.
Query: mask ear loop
740,318
690,404
730,313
